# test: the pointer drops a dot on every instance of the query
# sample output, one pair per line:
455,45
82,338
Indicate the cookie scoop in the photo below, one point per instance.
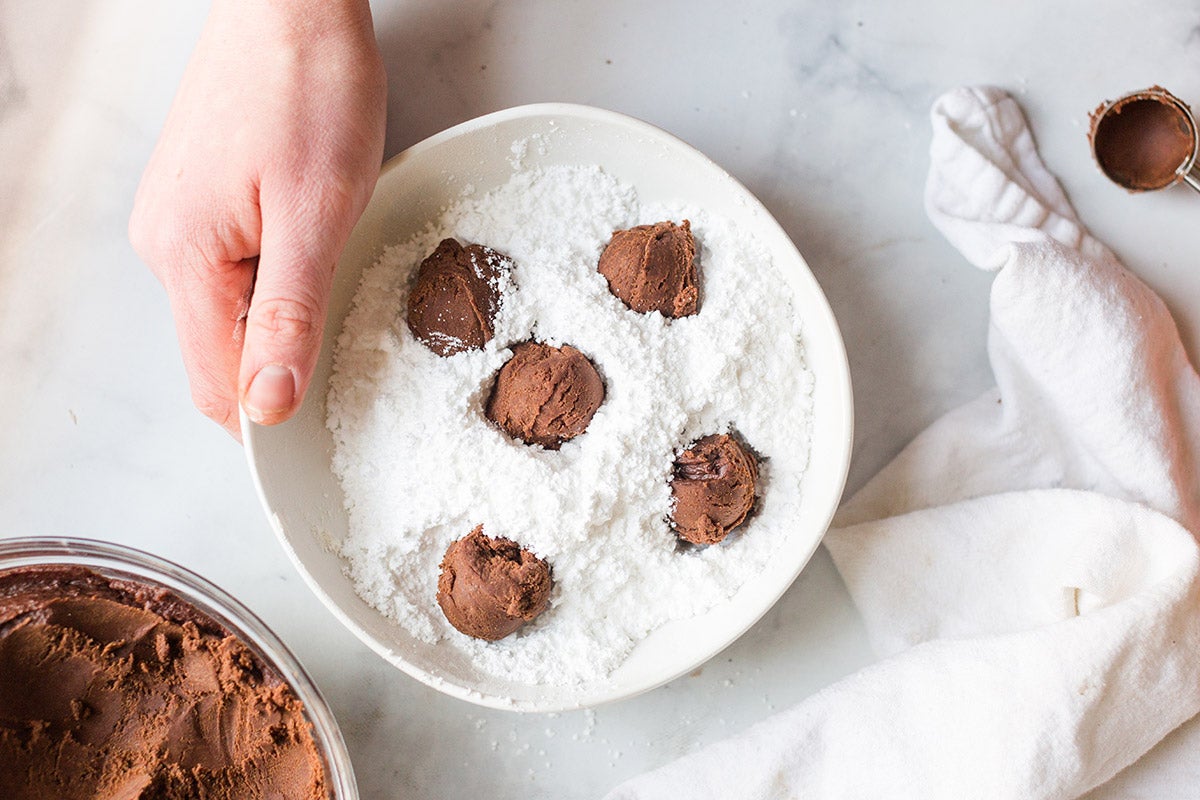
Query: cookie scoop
1146,140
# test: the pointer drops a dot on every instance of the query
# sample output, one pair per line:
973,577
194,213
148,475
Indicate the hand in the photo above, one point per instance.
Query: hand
267,158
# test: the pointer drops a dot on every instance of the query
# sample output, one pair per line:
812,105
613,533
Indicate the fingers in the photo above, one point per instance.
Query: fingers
210,316
301,242
208,280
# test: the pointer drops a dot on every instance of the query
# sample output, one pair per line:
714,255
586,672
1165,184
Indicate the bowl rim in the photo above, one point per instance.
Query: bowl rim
111,559
841,388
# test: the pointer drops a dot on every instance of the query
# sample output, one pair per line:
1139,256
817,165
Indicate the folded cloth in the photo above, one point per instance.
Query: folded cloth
1027,565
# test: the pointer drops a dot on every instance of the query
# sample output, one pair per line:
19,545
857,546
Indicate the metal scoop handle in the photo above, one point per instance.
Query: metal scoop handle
1192,176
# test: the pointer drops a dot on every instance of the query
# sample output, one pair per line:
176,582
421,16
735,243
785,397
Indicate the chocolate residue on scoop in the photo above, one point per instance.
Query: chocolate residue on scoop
114,689
652,268
713,488
490,587
1143,140
545,395
454,301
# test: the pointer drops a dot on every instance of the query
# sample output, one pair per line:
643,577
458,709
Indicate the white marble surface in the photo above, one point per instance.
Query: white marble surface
819,107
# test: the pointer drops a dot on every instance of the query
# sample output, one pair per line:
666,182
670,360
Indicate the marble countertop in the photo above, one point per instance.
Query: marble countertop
820,108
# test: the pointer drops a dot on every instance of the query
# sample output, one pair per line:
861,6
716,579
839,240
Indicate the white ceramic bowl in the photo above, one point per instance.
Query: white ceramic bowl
291,462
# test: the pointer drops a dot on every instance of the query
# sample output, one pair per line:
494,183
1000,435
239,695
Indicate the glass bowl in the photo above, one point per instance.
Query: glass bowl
118,561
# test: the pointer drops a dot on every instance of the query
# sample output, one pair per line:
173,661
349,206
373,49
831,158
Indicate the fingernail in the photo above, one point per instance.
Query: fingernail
272,391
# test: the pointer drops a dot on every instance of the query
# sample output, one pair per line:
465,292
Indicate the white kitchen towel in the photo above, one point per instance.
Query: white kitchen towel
1026,565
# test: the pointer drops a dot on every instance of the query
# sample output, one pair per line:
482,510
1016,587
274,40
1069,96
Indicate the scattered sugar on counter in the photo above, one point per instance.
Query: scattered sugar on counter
420,465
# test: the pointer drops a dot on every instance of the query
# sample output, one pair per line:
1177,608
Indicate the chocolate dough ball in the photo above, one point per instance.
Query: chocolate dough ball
490,587
545,395
713,488
453,304
652,268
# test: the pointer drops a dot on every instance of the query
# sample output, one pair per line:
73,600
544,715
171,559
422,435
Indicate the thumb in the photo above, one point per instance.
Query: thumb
286,317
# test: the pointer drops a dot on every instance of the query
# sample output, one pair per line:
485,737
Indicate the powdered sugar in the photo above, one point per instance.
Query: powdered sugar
420,465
